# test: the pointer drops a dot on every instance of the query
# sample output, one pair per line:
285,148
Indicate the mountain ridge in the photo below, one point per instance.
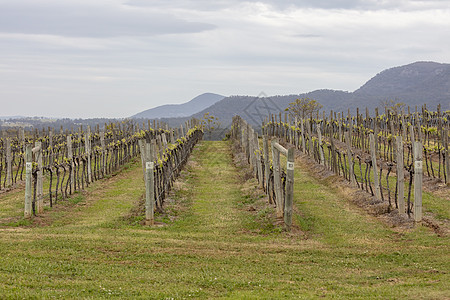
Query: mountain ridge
180,110
414,84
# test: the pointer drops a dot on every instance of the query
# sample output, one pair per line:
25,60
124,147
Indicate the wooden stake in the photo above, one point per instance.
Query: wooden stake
400,177
9,174
87,143
70,157
319,134
102,143
28,180
258,160
149,193
277,179
266,163
411,131
447,156
350,160
311,146
288,202
374,167
418,181
303,136
40,178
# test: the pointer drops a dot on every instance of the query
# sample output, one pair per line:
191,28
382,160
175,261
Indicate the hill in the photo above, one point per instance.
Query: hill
180,110
256,109
413,84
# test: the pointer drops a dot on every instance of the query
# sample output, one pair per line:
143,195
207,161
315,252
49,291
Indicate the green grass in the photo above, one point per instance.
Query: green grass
211,250
431,201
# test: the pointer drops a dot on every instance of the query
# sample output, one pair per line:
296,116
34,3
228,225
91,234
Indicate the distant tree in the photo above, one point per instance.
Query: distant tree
304,107
210,123
393,106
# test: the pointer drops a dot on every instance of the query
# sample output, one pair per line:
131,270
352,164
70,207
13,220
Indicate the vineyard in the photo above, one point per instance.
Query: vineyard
60,165
358,149
148,211
385,155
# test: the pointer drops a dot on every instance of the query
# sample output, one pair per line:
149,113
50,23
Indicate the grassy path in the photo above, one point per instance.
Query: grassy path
215,190
209,251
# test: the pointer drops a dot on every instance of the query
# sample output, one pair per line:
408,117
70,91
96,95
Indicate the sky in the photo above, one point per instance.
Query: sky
115,58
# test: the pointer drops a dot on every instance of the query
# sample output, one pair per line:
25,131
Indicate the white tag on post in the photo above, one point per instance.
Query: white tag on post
418,164
290,166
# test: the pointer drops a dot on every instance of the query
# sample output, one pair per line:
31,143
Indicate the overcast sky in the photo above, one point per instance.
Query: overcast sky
114,58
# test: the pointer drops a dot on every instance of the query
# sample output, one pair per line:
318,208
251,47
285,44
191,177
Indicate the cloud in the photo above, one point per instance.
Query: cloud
134,55
90,20
207,5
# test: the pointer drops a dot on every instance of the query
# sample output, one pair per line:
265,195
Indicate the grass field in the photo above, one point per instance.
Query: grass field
88,248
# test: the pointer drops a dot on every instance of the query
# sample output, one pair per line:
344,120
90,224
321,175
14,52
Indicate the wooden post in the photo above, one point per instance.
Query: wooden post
350,126
247,141
22,138
148,152
171,134
87,143
439,119
266,163
182,130
303,136
70,157
290,130
447,156
400,177
28,180
334,165
393,132
102,143
391,123
50,145
311,147
242,137
141,143
375,132
319,134
288,202
164,140
154,157
9,174
404,127
149,193
411,131
160,146
251,150
258,161
417,181
40,177
277,179
152,147
419,132
350,160
374,167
